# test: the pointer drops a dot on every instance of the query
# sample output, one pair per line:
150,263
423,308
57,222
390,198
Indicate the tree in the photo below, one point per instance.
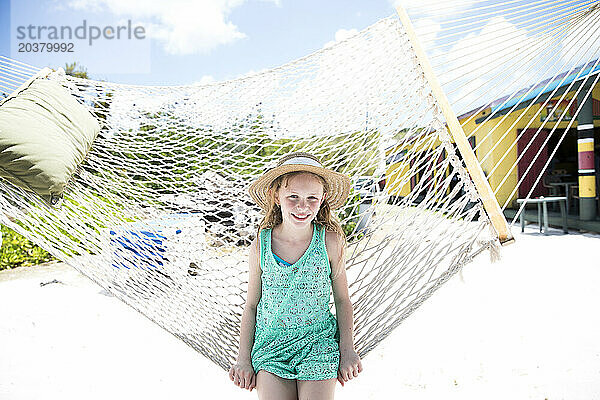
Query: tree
80,73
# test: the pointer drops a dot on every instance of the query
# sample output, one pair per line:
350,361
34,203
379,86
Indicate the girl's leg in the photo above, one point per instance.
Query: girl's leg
272,387
316,390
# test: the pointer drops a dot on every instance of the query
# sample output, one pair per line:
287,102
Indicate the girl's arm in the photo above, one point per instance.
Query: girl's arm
248,323
242,373
339,284
350,363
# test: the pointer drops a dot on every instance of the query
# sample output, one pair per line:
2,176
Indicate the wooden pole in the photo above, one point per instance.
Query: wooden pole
490,203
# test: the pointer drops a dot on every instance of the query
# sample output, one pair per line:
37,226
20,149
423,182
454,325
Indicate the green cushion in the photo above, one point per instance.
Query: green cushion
45,133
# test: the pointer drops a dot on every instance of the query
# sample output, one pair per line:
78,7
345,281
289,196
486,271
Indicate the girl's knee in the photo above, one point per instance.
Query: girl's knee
270,386
316,390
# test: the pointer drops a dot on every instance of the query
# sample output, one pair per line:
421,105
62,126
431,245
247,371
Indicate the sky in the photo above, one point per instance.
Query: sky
187,41
195,42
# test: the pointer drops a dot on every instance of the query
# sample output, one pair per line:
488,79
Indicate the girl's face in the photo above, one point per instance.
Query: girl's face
301,199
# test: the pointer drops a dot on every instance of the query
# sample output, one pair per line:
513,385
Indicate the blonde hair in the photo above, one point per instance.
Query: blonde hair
325,217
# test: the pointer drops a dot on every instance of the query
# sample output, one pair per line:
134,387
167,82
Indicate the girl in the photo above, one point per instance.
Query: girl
291,345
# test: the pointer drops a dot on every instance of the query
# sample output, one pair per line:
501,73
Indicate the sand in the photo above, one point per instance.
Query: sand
526,327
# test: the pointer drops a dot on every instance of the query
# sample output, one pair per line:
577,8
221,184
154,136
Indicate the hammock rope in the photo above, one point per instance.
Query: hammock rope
158,213
561,42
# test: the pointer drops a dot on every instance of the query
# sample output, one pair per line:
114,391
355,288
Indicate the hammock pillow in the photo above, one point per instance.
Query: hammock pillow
45,133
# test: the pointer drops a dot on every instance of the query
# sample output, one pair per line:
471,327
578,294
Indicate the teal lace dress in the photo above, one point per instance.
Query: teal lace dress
296,335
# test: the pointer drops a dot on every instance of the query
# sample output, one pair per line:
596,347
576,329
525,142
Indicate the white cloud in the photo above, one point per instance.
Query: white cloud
427,30
340,35
579,44
276,2
476,68
478,57
495,40
205,80
429,7
182,26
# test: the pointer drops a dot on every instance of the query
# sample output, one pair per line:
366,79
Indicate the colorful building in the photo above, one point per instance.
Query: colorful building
501,133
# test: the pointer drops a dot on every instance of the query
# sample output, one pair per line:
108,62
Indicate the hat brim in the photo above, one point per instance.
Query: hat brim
339,184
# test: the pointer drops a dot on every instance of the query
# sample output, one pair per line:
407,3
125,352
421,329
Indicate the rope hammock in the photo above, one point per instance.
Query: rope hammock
158,214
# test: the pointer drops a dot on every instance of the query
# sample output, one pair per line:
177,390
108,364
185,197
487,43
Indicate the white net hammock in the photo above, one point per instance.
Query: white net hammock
159,215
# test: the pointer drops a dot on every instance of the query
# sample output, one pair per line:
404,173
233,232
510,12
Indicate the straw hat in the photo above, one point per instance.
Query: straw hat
339,184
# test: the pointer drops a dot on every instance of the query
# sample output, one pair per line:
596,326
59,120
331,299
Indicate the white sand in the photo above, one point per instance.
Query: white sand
527,327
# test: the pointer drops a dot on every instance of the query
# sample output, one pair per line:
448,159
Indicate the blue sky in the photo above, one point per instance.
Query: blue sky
200,41
248,35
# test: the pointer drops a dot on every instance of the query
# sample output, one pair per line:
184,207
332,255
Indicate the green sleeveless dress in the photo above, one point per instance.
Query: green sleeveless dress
296,335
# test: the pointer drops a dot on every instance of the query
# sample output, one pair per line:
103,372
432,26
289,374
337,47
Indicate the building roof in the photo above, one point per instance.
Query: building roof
546,86
501,105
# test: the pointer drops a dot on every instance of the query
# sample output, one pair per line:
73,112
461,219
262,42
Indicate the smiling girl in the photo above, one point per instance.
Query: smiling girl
291,345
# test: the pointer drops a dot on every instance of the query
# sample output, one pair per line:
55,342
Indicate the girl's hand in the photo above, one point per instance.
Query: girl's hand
350,365
242,374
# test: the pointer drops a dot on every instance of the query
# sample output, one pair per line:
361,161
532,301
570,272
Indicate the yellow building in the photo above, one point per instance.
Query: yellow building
502,131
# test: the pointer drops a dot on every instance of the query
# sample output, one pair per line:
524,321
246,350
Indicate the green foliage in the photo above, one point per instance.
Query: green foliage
401,134
169,169
350,214
70,70
18,251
